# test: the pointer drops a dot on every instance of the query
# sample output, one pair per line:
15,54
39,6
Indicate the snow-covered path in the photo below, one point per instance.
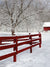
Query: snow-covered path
40,57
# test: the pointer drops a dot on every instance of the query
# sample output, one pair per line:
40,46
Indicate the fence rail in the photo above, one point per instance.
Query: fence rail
18,41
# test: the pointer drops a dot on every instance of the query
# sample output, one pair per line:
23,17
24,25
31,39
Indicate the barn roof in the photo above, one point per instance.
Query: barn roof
46,24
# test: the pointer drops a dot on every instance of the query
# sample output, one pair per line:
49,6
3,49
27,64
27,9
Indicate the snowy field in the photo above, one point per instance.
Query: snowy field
40,57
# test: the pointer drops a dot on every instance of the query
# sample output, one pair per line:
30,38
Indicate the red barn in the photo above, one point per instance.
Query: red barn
46,26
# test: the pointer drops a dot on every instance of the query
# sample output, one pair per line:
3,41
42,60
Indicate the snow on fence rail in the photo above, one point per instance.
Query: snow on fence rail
18,41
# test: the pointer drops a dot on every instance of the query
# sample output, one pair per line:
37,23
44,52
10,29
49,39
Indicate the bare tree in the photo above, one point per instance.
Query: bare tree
15,9
12,7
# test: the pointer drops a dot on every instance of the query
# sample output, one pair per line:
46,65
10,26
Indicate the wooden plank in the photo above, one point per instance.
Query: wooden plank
35,35
27,48
7,55
22,36
7,47
23,50
22,43
36,39
35,44
22,39
6,38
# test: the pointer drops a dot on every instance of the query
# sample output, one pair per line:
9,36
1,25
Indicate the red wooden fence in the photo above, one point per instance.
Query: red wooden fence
18,41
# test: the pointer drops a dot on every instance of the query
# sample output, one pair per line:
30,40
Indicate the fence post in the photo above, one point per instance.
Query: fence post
0,42
30,43
15,49
40,40
16,45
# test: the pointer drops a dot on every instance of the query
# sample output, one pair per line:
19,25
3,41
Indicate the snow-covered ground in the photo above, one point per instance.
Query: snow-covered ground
40,57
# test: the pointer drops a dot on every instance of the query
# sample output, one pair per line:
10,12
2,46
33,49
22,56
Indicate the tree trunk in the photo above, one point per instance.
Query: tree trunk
13,31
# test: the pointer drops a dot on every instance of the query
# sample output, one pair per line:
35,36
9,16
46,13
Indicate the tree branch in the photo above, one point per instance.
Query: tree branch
22,11
5,24
28,5
24,19
7,7
13,8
